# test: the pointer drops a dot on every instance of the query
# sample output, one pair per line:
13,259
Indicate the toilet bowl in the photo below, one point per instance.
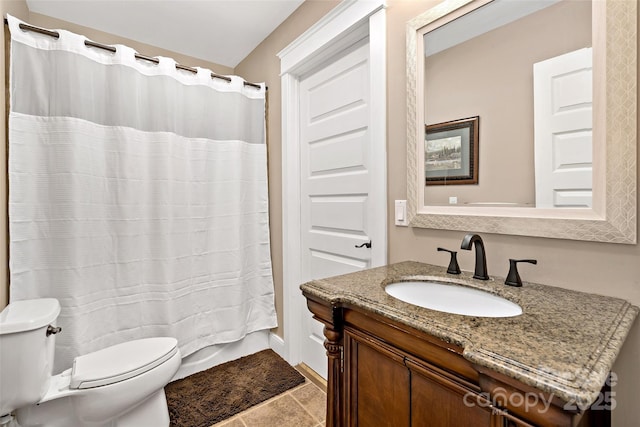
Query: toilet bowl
118,386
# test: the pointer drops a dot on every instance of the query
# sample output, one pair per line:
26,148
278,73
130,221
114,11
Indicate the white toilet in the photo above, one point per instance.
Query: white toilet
119,386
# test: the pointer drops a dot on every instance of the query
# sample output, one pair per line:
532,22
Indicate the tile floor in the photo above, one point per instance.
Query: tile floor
302,406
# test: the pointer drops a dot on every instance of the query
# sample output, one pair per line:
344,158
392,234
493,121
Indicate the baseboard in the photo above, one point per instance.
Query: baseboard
277,344
312,376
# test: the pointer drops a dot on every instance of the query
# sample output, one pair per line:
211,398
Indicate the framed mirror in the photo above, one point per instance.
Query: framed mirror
520,154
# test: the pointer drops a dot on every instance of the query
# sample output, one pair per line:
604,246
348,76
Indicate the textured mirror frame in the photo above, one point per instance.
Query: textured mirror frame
613,217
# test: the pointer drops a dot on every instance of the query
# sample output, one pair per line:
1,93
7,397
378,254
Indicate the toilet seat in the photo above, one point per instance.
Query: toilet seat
121,362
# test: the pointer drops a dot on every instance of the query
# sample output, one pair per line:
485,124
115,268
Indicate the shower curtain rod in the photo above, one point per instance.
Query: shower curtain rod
112,49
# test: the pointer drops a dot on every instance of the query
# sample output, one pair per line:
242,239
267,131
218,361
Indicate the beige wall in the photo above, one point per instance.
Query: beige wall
491,76
143,49
263,65
19,10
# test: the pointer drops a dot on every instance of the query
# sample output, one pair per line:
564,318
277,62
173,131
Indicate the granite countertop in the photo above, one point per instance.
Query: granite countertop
564,343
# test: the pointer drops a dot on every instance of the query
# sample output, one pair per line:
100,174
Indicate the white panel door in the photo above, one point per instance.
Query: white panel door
563,100
336,179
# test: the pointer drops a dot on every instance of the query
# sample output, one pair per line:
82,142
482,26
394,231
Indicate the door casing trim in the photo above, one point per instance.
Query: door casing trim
347,23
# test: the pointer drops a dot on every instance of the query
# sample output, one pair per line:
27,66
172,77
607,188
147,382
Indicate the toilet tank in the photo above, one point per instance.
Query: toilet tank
26,351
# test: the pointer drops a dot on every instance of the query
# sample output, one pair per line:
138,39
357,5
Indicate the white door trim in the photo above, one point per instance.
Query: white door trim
348,22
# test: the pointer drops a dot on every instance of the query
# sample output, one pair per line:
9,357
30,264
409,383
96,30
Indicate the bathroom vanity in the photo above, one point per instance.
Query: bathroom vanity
392,363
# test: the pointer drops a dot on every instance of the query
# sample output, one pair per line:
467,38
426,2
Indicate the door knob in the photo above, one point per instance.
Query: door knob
364,245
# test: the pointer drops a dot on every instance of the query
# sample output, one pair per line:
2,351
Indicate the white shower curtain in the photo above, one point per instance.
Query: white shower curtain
137,196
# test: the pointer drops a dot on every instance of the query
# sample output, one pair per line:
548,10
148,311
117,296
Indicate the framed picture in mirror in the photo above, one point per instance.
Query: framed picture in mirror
451,152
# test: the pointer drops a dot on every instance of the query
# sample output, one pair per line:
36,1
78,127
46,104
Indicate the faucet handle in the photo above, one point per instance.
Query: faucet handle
453,268
513,278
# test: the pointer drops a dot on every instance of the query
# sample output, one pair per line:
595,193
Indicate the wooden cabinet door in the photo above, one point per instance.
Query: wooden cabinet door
377,386
438,401
385,388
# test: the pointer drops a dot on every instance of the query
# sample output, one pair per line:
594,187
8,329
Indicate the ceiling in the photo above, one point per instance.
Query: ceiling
219,31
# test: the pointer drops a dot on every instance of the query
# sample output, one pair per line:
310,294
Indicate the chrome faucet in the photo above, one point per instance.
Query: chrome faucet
481,259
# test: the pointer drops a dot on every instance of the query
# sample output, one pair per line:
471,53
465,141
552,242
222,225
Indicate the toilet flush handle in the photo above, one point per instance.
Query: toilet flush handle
52,330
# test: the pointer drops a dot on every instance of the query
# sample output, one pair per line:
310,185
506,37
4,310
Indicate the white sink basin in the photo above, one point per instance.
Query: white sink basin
452,298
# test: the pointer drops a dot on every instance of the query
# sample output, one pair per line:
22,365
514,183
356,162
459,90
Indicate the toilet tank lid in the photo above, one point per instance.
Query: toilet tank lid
121,361
26,315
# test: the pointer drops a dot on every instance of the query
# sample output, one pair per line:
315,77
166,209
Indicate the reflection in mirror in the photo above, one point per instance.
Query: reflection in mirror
508,200
451,152
523,67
